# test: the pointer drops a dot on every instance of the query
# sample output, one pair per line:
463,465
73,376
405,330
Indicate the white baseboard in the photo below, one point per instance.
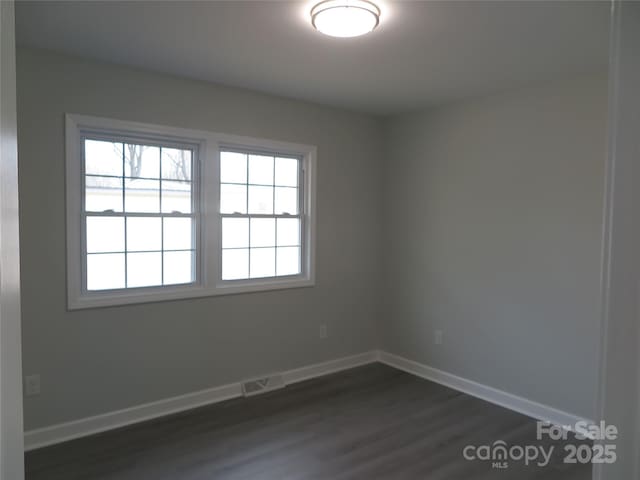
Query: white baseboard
518,404
43,437
108,421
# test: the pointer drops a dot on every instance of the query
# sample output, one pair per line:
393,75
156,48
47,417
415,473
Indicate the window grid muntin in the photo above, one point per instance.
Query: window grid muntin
300,215
152,179
194,215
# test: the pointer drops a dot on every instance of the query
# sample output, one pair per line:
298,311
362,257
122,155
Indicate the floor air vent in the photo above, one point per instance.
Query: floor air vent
261,385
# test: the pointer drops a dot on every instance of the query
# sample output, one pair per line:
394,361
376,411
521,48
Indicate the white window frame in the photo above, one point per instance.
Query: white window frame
209,245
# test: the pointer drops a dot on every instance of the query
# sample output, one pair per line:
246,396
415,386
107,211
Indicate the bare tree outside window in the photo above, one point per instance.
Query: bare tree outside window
133,157
179,163
178,166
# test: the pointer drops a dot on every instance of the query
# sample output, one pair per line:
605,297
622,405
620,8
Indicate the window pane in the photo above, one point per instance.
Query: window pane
233,167
178,268
105,234
288,261
176,197
141,161
233,199
235,264
288,232
176,164
178,234
144,269
263,262
102,194
263,232
286,200
102,158
143,234
260,170
261,200
105,271
287,172
235,232
142,196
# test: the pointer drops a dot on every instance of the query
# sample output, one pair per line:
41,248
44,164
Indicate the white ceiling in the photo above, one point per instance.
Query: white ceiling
423,53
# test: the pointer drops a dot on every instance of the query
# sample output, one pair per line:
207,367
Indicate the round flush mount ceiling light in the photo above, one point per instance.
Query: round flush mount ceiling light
345,18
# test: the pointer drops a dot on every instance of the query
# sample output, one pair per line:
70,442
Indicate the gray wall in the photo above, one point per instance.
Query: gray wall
493,233
99,360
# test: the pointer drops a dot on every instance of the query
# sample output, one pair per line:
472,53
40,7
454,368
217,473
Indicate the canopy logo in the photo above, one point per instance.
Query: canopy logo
500,454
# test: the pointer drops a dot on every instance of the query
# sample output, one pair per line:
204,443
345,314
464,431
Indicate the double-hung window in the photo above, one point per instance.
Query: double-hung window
260,200
140,213
159,213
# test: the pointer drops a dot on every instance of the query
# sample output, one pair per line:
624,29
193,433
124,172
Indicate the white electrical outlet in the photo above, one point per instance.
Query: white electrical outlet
32,385
324,333
437,337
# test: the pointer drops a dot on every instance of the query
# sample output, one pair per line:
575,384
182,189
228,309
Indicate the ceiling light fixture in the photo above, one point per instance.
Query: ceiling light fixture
345,18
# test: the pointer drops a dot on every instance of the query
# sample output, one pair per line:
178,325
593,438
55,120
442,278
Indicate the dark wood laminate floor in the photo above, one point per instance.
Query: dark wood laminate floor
371,422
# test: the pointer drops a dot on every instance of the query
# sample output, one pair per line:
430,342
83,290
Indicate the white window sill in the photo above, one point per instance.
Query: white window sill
164,294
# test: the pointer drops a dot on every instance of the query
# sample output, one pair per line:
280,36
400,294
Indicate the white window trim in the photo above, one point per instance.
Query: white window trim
209,282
